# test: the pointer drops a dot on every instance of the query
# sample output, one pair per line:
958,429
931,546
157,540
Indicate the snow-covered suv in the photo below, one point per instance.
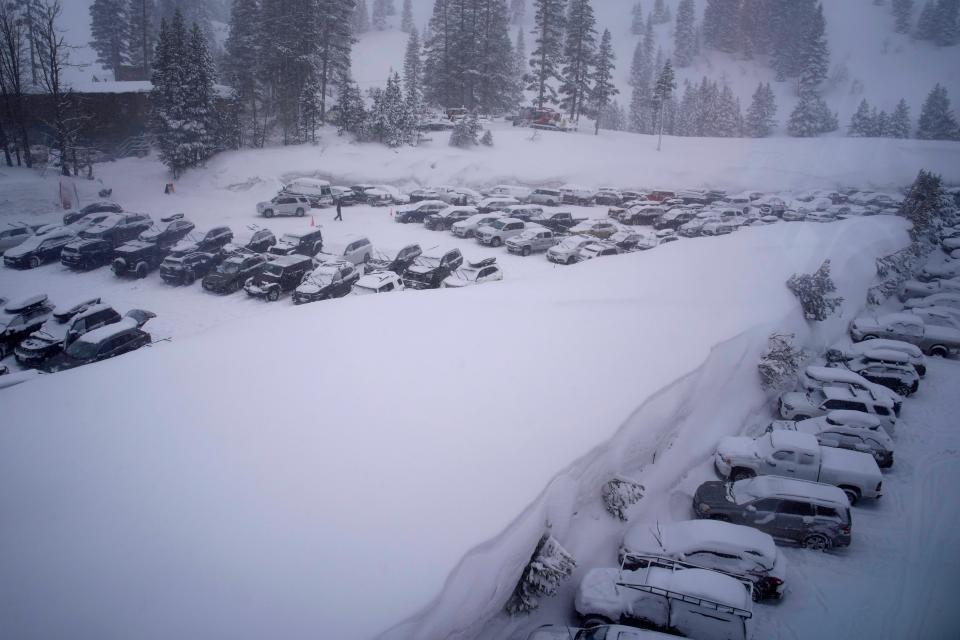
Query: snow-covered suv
547,197
531,240
284,205
908,327
800,406
568,249
852,430
501,230
468,228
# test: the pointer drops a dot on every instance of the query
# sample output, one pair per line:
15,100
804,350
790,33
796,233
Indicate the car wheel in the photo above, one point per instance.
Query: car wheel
741,474
939,351
853,495
869,336
268,213
141,270
34,262
273,295
817,542
720,517
903,390
755,594
595,621
118,267
496,242
300,212
570,260
525,251
189,278
800,417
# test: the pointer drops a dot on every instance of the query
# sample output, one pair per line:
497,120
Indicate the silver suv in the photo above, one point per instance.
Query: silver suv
284,205
815,515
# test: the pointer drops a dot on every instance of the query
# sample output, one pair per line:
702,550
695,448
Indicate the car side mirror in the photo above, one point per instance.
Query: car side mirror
751,508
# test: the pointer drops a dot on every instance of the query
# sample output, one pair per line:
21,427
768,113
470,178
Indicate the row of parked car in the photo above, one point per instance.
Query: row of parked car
793,483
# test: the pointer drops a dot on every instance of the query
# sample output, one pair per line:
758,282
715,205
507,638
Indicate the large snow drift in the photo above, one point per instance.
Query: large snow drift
319,471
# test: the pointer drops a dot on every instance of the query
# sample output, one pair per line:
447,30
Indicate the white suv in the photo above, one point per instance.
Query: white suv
800,406
284,205
501,230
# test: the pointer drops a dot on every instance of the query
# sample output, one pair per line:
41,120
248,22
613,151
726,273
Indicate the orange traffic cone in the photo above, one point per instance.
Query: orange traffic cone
312,223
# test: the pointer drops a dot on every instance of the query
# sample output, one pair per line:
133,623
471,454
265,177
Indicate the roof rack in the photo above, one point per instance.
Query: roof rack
674,565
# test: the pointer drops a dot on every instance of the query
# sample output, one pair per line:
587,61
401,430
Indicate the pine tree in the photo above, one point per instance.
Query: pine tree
487,139
548,52
816,55
332,40
361,17
406,18
760,121
662,95
903,13
813,291
142,15
923,206
790,27
351,113
881,125
937,121
466,132
948,23
927,27
862,122
240,67
109,30
519,61
518,11
167,98
579,51
660,14
379,20
811,117
413,69
310,108
199,109
900,121
729,121
685,34
721,25
389,121
636,20
604,88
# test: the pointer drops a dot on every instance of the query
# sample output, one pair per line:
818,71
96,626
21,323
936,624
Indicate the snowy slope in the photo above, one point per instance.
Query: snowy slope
321,470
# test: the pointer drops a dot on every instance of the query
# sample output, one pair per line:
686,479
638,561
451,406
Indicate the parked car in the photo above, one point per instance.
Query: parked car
917,289
802,405
814,515
183,268
479,272
531,240
346,196
397,262
638,214
853,430
84,255
509,191
815,377
97,207
546,197
283,274
944,271
419,195
798,455
378,282
431,269
942,299
317,192
501,230
576,194
284,205
261,241
608,197
498,203
668,596
445,219
567,251
556,221
351,247
468,228
793,215
907,327
602,229
843,353
171,230
108,341
738,551
49,338
116,229
597,249
20,318
674,218
890,369
383,195
14,235
419,211
38,249
332,279
718,227
145,254
938,316
304,243
230,274
601,632
633,241
524,212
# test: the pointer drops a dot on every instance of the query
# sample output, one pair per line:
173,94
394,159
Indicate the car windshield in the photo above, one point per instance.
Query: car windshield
362,290
273,270
596,633
290,239
499,224
82,350
54,328
230,266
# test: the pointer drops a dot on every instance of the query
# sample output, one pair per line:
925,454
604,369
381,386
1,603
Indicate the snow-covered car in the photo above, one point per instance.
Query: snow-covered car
395,261
445,219
419,211
944,271
65,325
104,206
568,249
798,405
230,274
851,430
317,192
890,369
638,214
812,514
106,342
183,268
378,282
843,353
473,273
814,377
140,256
468,228
799,455
733,549
556,221
20,318
346,196
260,241
509,191
634,240
525,212
938,316
667,595
576,194
602,229
531,241
916,289
498,203
330,280
942,299
675,218
282,274
384,195
600,632
461,196
14,235
305,243
794,215
718,227
907,327
608,196
350,247
501,230
284,205
546,197
430,269
597,249
38,249
425,193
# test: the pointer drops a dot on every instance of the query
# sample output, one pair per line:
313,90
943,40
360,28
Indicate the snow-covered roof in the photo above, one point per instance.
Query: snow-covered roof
16,306
793,440
852,418
107,331
901,318
773,486
885,343
702,583
834,374
678,538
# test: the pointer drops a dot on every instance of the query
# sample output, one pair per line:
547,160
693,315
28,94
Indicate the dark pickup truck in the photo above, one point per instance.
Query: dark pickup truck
556,221
429,270
398,263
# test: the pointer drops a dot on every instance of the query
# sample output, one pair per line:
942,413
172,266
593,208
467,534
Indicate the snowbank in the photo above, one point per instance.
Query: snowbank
326,470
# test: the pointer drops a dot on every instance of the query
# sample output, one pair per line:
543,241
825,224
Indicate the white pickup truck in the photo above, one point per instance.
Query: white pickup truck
791,454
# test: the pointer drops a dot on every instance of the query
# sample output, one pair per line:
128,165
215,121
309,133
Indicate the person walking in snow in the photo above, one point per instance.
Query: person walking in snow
339,212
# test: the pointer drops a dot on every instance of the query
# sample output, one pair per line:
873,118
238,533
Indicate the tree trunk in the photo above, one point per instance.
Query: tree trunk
6,146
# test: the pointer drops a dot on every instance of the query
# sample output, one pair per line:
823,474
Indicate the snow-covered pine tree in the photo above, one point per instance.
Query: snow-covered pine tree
167,98
948,23
379,19
351,112
861,123
903,14
811,117
487,138
604,88
360,20
466,132
636,19
388,119
333,42
709,112
547,54
660,13
518,11
937,121
881,124
519,62
200,117
240,68
579,53
142,31
550,565
619,494
900,121
780,363
413,68
729,120
815,62
813,291
662,95
687,115
109,33
685,34
755,27
491,86
721,25
790,23
310,108
927,27
923,206
406,17
759,122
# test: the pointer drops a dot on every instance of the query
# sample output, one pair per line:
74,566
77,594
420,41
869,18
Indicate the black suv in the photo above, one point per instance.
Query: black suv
305,243
230,274
38,249
118,228
184,267
429,271
215,239
20,318
83,255
144,254
329,280
261,241
398,263
279,276
62,330
438,222
97,207
108,341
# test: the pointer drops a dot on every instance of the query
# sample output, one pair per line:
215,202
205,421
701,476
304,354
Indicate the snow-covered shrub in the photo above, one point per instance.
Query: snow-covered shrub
550,565
780,363
813,290
465,133
487,139
927,205
619,494
893,270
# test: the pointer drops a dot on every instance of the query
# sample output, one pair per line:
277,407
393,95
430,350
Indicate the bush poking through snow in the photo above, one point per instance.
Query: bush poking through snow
893,270
813,292
780,363
620,494
465,133
487,139
550,565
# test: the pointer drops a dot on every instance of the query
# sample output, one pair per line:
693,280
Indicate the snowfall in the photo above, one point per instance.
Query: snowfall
383,466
